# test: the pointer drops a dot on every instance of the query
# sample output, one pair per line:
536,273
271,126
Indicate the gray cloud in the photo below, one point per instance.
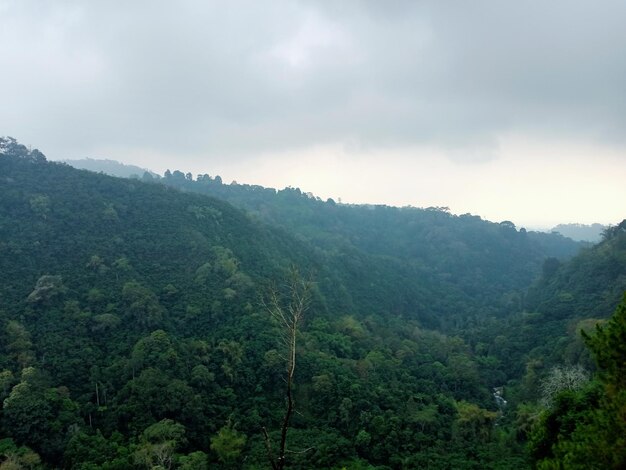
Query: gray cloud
234,79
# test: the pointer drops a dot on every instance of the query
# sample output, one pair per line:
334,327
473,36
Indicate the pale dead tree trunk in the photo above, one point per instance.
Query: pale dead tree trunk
288,313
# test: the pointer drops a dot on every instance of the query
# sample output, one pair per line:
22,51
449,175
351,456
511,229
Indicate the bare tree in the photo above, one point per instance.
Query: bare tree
288,313
562,378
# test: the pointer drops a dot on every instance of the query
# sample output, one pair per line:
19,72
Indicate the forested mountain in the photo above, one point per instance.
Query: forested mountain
581,232
591,284
135,330
571,356
486,266
465,248
443,268
109,167
568,297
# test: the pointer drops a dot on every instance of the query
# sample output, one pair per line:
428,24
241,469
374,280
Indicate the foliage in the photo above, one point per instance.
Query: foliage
586,428
228,444
591,285
133,333
463,257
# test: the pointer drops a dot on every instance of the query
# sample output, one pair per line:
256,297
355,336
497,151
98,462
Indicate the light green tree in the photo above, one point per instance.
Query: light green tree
228,444
158,444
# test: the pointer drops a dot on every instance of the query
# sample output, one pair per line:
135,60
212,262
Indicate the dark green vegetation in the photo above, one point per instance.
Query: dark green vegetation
476,267
133,331
585,427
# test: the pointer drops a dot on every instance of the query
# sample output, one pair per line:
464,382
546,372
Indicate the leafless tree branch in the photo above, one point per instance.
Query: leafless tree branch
288,314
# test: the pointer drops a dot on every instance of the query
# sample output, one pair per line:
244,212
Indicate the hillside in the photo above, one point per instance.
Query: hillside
581,232
135,330
170,236
487,266
569,297
109,167
131,318
590,285
421,234
579,422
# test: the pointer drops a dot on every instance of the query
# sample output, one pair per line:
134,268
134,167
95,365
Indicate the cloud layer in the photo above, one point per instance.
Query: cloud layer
207,81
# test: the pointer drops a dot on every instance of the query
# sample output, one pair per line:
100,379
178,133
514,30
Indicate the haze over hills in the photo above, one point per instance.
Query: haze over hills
578,232
109,167
581,232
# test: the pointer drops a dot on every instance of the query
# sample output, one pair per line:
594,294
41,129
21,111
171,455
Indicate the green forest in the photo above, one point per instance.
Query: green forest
178,322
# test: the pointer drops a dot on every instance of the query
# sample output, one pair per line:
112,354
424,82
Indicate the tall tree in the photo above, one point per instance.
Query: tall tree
288,315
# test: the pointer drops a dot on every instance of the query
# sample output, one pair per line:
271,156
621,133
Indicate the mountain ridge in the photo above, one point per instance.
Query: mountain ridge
133,311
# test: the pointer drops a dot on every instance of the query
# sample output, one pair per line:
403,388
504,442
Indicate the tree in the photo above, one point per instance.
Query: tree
228,444
47,288
158,443
17,458
288,316
142,304
18,343
11,147
614,231
195,461
608,346
40,205
560,379
39,416
474,422
550,266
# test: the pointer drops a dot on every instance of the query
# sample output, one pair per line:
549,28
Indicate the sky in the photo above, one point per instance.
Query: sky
511,110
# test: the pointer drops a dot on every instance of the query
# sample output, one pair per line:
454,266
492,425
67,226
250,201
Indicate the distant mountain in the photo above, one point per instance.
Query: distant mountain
581,232
109,167
491,263
482,265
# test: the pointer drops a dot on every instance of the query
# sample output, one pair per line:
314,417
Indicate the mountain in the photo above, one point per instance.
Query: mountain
133,324
581,423
581,232
480,259
487,262
109,167
590,285
135,330
569,297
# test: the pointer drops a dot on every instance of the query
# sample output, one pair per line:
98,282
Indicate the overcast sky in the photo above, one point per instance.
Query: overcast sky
506,109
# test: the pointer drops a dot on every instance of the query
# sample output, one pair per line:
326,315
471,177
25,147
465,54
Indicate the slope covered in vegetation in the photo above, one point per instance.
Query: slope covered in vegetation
134,333
594,280
469,251
486,266
125,305
585,425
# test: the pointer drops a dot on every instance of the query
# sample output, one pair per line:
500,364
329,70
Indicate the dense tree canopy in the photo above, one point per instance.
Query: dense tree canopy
134,333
